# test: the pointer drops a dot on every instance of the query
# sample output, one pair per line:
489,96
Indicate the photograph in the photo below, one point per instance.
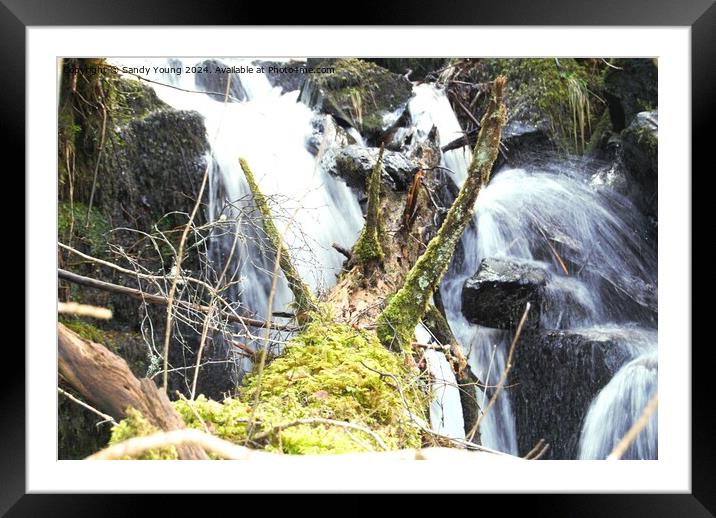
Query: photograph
367,257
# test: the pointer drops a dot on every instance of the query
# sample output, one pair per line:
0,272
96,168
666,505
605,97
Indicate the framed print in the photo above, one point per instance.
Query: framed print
435,250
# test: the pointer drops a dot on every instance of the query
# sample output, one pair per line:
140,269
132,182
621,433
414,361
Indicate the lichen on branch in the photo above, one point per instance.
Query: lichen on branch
396,324
304,299
368,248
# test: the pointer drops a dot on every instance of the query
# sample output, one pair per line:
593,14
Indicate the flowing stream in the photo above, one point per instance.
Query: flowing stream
515,213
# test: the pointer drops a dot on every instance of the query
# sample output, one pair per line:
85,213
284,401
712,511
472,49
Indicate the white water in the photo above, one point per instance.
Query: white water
314,210
514,215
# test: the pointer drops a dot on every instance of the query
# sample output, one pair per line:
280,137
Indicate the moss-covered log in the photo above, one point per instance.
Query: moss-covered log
368,248
396,324
304,299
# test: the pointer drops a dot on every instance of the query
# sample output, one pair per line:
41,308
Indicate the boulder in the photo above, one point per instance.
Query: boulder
286,75
641,144
359,94
496,295
630,88
355,163
554,378
215,80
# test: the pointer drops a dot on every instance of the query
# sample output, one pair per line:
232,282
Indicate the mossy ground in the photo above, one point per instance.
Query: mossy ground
328,371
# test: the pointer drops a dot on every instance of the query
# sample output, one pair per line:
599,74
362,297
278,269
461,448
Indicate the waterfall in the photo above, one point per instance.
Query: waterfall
597,229
593,227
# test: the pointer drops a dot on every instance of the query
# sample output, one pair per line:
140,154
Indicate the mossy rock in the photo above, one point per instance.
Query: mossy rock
419,68
360,94
554,96
75,222
630,88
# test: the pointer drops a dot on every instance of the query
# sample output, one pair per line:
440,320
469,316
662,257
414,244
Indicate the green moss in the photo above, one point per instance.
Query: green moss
303,298
86,330
361,93
328,371
325,372
136,425
541,91
74,224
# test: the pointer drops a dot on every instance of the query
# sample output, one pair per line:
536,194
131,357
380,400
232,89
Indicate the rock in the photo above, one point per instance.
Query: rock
286,75
355,163
641,145
417,69
326,131
215,81
629,89
554,378
360,94
496,295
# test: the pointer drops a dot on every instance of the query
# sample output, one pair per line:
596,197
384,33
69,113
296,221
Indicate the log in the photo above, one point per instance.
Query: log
104,379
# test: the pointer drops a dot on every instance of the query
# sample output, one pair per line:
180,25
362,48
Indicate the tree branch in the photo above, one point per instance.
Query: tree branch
305,301
396,324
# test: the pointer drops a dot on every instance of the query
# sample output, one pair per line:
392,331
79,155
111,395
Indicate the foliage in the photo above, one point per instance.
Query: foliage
73,223
136,425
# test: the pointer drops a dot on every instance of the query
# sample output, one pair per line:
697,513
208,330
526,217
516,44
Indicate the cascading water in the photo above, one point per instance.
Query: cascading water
516,215
614,284
269,129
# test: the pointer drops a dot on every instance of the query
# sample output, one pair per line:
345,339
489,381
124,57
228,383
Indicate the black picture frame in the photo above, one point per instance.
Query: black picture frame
700,15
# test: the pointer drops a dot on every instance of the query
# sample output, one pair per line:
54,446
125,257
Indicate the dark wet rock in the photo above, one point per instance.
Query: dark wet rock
214,80
359,94
355,163
497,294
522,143
629,89
554,378
287,75
417,69
641,145
156,167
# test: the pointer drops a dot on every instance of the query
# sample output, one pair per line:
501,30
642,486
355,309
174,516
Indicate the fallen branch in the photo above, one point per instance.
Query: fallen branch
343,251
160,299
103,378
188,437
396,324
304,299
83,310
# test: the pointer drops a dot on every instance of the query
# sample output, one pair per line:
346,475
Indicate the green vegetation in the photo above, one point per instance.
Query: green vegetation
73,224
329,371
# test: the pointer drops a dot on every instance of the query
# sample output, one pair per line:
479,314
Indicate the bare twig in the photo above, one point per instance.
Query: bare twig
160,299
320,420
107,418
503,378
